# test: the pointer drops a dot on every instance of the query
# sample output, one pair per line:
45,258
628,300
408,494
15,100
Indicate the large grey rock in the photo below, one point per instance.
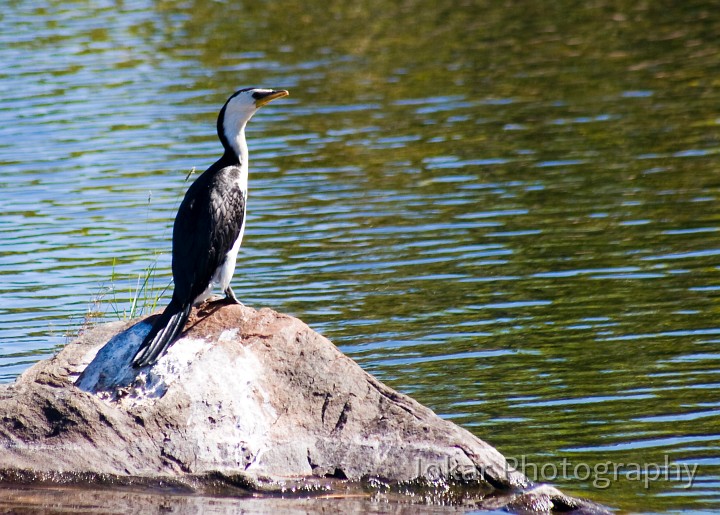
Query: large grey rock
246,398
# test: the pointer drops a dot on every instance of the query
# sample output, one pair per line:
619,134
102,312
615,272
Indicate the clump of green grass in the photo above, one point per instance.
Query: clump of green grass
125,304
142,298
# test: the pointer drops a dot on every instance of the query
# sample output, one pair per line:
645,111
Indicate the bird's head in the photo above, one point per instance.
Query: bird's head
238,110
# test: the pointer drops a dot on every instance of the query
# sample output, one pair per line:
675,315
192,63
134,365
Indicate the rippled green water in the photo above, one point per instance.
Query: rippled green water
505,209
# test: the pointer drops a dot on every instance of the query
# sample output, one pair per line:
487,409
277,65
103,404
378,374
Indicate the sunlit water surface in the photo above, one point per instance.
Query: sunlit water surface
507,210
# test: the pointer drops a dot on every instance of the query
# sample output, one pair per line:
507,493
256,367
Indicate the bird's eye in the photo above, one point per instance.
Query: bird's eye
257,95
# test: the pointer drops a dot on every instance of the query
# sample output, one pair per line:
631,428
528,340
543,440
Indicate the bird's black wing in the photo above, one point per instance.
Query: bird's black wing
229,212
206,227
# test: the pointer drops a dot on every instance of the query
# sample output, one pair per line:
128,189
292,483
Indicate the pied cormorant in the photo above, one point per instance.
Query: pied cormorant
209,225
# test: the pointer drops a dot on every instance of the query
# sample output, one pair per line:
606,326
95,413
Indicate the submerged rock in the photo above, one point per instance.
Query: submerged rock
248,399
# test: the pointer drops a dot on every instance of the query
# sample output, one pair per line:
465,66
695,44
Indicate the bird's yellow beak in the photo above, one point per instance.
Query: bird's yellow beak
270,96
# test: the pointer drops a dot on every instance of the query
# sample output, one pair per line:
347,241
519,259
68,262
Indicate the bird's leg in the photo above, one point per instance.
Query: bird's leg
230,297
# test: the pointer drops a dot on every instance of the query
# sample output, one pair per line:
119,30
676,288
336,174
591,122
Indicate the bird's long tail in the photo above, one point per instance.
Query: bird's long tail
164,331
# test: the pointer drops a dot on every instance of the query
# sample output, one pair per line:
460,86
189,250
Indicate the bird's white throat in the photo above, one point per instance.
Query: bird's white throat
235,136
236,139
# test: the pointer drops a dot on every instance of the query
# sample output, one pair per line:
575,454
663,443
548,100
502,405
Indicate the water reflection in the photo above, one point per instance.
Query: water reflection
507,211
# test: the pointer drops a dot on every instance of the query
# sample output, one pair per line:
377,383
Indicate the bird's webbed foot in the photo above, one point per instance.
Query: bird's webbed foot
230,297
